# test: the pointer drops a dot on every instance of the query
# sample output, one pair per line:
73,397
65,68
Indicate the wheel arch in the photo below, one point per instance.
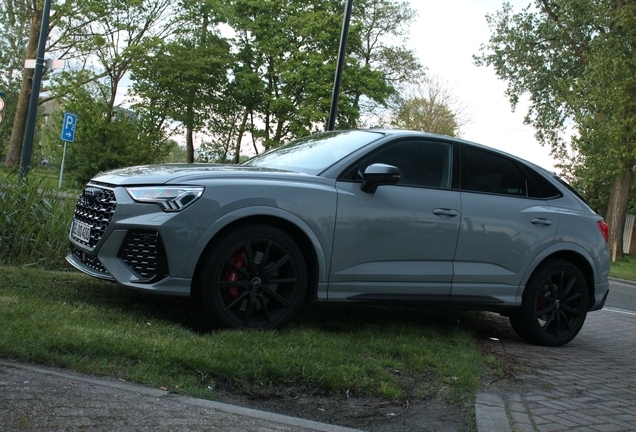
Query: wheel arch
578,258
307,242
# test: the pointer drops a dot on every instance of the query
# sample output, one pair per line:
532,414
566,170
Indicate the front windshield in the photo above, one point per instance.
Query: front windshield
314,153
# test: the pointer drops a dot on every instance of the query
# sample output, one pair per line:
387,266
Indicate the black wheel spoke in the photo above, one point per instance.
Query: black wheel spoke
565,320
265,258
545,311
567,289
251,263
250,310
230,284
281,281
271,270
236,267
548,322
572,310
274,295
265,309
574,296
238,300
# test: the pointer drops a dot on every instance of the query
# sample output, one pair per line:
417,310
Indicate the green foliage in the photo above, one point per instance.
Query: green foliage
424,115
575,60
34,224
73,321
176,153
103,139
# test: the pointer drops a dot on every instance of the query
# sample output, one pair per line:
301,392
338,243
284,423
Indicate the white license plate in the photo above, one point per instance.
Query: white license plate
81,231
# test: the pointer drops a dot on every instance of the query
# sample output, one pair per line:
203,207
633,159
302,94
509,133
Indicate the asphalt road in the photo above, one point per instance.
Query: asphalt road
621,296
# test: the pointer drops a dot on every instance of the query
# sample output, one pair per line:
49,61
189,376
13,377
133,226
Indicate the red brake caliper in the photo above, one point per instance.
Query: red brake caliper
232,275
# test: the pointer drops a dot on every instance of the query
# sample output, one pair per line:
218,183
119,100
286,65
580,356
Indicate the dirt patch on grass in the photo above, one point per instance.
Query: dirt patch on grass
429,413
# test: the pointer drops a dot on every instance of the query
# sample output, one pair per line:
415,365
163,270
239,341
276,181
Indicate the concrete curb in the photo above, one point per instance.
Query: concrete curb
490,413
160,394
623,281
490,410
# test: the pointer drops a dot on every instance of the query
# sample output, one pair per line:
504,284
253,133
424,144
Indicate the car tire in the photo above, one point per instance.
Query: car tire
253,278
554,305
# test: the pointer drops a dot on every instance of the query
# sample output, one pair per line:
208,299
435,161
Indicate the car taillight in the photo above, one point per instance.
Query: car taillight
604,229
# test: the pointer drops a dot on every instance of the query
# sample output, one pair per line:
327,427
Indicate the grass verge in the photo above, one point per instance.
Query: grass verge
70,320
34,224
624,268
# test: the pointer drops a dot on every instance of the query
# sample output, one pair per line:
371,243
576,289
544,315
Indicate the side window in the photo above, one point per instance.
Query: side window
483,171
423,163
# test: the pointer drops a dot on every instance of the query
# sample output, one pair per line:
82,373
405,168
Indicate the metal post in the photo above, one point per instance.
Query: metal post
342,52
27,146
62,169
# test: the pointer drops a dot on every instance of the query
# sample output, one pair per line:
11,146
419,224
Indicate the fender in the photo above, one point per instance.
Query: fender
550,250
245,212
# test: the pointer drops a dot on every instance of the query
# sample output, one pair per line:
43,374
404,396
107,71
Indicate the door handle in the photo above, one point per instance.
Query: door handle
541,221
445,212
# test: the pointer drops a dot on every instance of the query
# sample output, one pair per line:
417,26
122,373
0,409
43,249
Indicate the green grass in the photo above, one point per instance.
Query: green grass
34,224
70,320
46,178
624,268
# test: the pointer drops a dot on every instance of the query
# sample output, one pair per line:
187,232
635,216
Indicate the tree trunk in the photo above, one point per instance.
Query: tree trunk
617,210
190,144
239,138
22,109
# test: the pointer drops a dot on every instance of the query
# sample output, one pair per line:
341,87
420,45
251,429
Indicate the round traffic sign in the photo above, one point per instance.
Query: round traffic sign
1,104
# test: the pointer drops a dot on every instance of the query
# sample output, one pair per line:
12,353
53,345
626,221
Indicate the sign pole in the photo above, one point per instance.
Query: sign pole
342,52
62,170
27,146
68,135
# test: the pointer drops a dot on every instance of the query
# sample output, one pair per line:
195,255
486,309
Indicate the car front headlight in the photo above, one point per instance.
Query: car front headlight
170,198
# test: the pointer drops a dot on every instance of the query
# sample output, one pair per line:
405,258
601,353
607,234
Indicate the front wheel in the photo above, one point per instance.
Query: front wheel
253,278
554,306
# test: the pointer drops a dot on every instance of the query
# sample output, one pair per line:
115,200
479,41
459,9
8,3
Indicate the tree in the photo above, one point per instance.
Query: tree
101,143
287,52
431,108
66,36
575,60
14,37
183,79
121,28
382,27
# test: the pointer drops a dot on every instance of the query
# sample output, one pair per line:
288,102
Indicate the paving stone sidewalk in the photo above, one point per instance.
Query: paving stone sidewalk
587,385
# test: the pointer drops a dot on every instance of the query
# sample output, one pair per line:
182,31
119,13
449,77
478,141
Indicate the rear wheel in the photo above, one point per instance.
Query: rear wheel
554,306
255,278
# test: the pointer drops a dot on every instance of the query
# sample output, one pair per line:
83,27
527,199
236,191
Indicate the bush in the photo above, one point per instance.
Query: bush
34,224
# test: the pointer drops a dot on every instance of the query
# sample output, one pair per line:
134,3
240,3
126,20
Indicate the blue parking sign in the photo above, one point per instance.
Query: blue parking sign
68,127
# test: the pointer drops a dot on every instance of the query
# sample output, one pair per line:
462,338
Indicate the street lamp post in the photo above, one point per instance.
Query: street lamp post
342,52
27,146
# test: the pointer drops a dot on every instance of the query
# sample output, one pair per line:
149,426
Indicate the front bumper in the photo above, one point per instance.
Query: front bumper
137,246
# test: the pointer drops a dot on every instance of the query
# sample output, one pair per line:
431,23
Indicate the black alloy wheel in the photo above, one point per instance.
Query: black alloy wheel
554,306
254,278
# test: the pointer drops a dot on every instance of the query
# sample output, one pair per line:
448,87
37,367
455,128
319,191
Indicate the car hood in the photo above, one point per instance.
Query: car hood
175,173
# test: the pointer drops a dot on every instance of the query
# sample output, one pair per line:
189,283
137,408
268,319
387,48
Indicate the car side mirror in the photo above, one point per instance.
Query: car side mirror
379,175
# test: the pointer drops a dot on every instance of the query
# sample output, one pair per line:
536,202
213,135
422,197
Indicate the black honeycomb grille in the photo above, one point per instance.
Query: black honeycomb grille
87,259
95,207
144,254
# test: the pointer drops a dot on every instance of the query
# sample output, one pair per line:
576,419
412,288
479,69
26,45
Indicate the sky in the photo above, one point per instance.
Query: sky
445,37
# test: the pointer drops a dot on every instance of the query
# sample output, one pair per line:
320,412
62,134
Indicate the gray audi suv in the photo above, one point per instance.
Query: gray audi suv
351,216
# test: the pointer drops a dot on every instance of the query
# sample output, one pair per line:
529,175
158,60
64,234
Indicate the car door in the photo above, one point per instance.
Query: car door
399,241
505,224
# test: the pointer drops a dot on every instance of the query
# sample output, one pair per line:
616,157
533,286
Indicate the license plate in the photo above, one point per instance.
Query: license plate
81,231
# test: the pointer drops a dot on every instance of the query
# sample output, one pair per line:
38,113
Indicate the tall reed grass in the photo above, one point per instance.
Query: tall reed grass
34,224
